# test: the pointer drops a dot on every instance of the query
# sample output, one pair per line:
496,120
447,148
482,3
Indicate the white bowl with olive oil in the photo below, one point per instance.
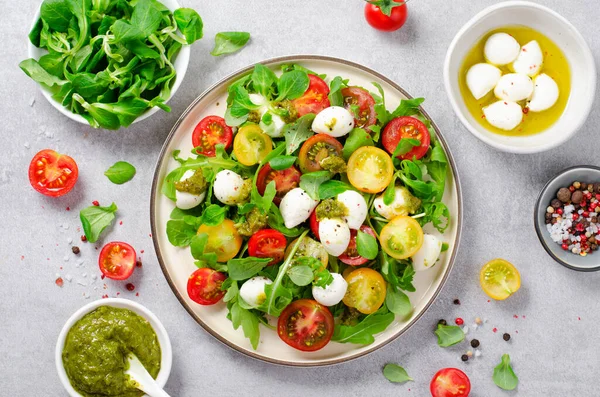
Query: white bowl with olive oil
567,59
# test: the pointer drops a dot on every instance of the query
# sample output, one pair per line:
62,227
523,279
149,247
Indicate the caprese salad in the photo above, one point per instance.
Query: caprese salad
305,203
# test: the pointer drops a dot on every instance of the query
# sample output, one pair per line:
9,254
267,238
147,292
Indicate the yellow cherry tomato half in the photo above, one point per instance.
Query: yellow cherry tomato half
402,237
223,239
251,145
370,169
366,290
499,279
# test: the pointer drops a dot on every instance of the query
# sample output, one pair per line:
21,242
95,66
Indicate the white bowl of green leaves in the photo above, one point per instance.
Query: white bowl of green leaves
127,64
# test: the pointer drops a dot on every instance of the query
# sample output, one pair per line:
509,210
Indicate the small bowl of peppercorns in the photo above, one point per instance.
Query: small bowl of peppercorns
567,218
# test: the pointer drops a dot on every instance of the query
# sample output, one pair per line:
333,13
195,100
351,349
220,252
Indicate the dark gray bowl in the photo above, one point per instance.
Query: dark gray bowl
582,173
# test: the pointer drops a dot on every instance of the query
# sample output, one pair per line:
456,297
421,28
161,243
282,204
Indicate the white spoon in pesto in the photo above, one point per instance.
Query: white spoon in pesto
143,380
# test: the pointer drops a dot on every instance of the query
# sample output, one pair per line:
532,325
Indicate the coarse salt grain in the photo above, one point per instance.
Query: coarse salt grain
27,145
70,240
68,277
477,353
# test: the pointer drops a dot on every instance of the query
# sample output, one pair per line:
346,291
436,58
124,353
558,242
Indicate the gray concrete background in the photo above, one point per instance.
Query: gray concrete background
553,319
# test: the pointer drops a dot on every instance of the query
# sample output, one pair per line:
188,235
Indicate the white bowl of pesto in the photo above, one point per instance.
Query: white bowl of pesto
159,353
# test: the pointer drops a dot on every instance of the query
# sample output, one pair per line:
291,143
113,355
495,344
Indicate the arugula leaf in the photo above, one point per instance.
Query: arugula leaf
292,85
248,321
395,373
214,215
245,268
310,182
412,176
301,275
405,145
407,107
366,245
335,91
383,116
229,42
397,301
276,222
95,219
438,214
120,172
264,202
190,24
363,332
282,162
295,66
357,138
504,377
264,80
179,233
295,134
437,167
449,335
332,188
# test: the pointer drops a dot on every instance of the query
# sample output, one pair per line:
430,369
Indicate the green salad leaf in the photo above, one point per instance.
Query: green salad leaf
363,332
311,181
189,23
249,322
95,219
276,222
295,134
229,42
357,138
282,162
504,377
397,301
405,145
366,245
335,91
449,335
395,373
180,233
292,85
245,268
332,188
213,215
120,172
301,275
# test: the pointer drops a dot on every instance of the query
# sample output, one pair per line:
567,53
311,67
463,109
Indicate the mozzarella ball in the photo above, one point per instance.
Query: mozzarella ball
333,293
253,290
258,99
404,203
296,206
505,115
501,49
428,254
274,128
185,200
357,208
530,59
545,93
334,120
482,78
229,188
514,87
334,234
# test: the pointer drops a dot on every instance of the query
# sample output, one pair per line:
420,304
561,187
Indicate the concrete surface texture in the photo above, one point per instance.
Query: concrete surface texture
553,319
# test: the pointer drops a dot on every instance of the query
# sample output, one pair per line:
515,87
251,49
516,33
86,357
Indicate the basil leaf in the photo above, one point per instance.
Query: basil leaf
292,85
405,145
366,245
179,233
229,42
95,219
363,332
311,181
282,162
120,172
438,214
248,320
275,221
449,335
213,215
397,301
357,138
332,188
335,91
295,134
504,377
245,268
189,23
395,373
301,275
233,290
264,80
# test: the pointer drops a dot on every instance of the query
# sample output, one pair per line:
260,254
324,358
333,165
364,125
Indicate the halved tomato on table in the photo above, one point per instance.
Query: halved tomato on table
450,382
406,128
370,169
285,180
305,325
365,115
314,99
204,286
267,243
211,131
117,260
52,174
317,148
366,290
402,237
251,144
351,256
223,239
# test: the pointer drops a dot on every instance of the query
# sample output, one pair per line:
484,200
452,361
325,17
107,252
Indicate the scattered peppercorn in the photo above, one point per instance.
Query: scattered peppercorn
457,301
556,203
75,250
459,321
130,287
464,357
564,195
506,337
577,196
475,343
83,238
96,203
442,322
138,263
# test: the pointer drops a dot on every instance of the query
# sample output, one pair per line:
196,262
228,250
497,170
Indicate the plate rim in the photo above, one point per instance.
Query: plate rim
155,185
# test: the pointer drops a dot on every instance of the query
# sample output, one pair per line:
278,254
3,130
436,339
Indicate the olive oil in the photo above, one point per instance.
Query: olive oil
555,65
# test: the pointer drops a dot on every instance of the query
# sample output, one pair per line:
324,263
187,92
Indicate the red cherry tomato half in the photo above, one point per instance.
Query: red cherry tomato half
351,256
305,325
314,98
204,286
314,224
356,96
210,132
450,382
380,21
267,243
285,180
406,127
52,174
117,260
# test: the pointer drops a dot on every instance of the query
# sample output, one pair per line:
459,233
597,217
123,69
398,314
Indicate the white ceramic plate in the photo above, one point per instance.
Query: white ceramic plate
178,264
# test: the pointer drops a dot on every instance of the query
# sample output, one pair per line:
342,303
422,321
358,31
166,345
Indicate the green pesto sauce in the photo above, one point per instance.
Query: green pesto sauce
255,221
96,349
331,208
334,163
286,110
195,184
